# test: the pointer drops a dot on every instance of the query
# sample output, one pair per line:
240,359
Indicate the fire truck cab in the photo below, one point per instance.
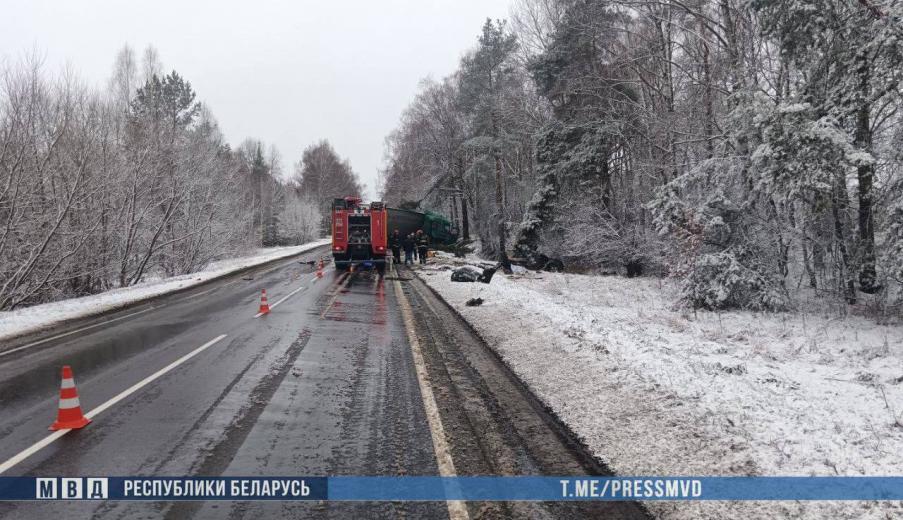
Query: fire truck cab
359,234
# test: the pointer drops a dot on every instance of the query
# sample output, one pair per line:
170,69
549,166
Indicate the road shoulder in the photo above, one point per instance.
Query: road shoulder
495,426
46,322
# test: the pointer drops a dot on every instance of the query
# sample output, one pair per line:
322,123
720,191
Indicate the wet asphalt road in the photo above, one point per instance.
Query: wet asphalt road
323,385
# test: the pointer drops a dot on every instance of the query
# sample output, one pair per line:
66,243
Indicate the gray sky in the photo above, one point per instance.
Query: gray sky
288,73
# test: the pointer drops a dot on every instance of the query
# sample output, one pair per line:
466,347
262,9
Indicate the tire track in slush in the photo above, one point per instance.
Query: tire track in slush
104,508
170,456
218,459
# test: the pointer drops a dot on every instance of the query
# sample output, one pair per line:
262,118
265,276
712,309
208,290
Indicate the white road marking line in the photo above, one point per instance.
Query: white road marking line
286,297
289,295
71,332
149,379
31,450
58,336
237,280
457,510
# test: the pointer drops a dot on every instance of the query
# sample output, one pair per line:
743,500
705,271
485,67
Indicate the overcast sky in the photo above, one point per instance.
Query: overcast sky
286,72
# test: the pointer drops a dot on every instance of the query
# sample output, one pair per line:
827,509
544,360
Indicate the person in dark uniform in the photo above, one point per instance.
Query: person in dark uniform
395,246
423,245
408,244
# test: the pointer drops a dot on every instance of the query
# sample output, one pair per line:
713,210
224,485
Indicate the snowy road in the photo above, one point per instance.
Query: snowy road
325,384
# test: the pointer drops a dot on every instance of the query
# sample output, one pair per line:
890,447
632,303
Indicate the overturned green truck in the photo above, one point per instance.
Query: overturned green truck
437,227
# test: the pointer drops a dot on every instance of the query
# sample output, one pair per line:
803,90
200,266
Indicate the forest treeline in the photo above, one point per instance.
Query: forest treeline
106,187
747,147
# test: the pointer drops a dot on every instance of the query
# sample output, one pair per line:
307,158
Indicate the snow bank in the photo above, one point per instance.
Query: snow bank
656,391
31,319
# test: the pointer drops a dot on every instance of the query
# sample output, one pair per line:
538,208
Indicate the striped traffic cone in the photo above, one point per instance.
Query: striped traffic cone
69,416
264,306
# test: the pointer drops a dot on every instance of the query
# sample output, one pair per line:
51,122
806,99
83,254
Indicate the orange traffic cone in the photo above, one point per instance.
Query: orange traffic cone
320,269
264,306
69,416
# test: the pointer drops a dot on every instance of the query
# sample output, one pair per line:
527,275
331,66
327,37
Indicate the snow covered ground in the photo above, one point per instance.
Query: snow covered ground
654,390
38,317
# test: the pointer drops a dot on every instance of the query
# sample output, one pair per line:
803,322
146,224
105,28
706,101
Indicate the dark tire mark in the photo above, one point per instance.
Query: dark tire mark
217,460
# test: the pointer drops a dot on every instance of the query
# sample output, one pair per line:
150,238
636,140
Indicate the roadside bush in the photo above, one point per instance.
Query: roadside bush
722,281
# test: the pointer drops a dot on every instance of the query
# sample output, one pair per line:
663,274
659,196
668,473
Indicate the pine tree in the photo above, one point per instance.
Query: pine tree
485,74
573,153
849,56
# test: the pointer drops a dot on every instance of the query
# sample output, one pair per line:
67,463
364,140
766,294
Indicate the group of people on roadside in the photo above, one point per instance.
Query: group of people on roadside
415,245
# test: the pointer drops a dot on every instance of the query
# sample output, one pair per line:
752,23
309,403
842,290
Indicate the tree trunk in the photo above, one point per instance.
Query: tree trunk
708,96
865,173
499,193
465,219
500,209
813,282
839,204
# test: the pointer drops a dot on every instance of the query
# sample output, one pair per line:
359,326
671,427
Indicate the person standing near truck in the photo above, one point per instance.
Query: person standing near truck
423,245
395,246
408,244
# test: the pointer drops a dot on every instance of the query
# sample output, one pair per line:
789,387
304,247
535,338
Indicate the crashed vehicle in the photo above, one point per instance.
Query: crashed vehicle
469,273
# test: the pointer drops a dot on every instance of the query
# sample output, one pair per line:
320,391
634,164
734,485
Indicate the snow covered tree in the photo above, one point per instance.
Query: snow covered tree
848,55
425,166
542,207
118,183
298,217
486,73
323,176
722,252
740,145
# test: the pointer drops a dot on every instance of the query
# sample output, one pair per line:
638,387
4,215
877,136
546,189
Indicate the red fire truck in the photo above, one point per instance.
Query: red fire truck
359,234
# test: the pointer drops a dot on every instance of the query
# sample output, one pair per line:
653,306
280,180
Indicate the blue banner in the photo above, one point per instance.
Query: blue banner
615,488
451,488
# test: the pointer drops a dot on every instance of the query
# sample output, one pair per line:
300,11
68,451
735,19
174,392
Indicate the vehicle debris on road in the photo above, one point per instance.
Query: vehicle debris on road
469,273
